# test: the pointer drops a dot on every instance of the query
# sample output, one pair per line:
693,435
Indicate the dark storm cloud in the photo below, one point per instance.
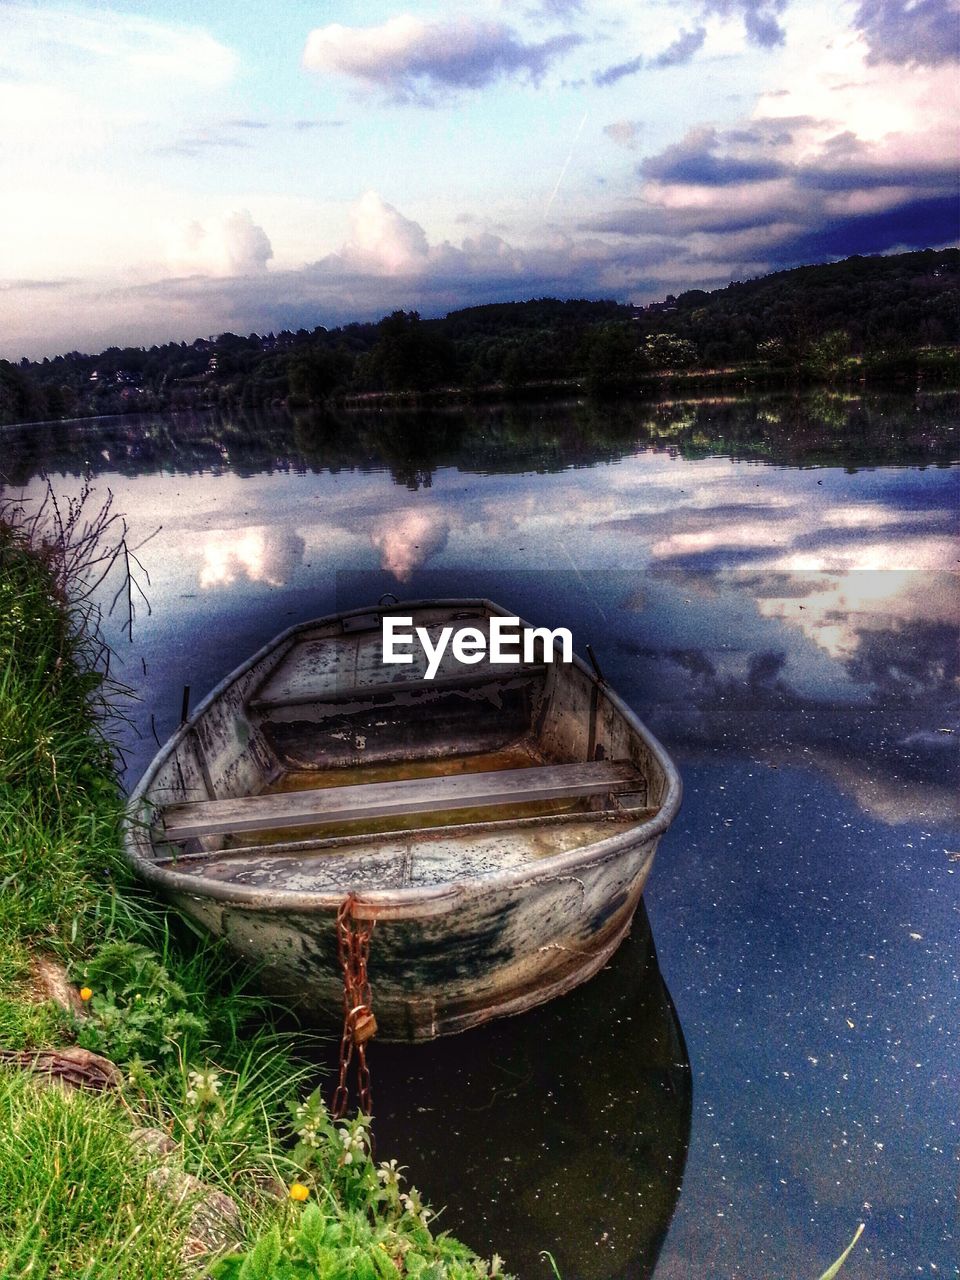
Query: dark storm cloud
845,163
707,170
693,520
792,230
863,177
694,162
803,213
826,539
654,220
706,157
913,224
921,32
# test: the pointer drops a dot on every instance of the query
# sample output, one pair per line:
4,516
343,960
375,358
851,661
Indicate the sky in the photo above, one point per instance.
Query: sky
169,170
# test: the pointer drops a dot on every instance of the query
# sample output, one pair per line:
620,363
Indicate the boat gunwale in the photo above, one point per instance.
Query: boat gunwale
441,831
405,901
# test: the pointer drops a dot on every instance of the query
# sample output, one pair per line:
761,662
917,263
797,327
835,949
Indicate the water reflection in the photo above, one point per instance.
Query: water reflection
818,429
570,1123
789,631
777,613
407,538
256,553
858,673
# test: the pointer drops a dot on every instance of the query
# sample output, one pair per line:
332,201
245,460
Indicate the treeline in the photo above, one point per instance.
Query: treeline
865,319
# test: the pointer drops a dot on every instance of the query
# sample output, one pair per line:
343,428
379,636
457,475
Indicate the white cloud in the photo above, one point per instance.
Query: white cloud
386,263
382,240
90,45
383,243
229,246
836,84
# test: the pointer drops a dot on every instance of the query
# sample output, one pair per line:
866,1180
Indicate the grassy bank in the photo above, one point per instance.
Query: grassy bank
201,1064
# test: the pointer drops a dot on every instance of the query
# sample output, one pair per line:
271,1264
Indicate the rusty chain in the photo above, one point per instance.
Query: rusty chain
359,1024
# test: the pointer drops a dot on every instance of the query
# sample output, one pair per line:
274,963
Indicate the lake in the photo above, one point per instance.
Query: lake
772,585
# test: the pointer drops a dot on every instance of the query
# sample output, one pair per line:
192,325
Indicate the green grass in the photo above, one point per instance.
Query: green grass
59,805
75,1200
26,1025
161,1004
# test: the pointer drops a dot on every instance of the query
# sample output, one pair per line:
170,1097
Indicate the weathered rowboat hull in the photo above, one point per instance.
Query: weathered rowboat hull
448,964
508,913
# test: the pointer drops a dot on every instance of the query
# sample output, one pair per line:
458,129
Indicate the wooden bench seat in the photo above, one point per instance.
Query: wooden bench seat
366,801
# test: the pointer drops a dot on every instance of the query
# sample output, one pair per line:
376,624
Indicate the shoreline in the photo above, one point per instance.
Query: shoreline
738,381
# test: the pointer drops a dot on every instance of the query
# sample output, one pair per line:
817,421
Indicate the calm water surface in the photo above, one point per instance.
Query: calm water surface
772,586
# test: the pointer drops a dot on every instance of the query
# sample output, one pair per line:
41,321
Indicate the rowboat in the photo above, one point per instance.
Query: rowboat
491,827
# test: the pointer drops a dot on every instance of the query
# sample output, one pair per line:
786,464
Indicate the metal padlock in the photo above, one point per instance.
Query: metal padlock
364,1026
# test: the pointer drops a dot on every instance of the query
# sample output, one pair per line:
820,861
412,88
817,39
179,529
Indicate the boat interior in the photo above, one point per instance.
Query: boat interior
319,766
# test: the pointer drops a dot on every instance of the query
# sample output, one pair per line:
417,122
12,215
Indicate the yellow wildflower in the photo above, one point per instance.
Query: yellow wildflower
299,1192
85,994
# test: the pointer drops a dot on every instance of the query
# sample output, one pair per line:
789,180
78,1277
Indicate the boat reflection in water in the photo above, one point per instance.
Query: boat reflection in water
570,1123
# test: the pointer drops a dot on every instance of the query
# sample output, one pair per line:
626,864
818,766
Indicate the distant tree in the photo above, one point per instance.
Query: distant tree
773,352
317,372
515,369
668,351
21,398
55,402
615,361
800,323
827,355
409,356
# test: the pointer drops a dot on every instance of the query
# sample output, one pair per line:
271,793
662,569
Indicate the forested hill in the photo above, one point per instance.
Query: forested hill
863,318
910,298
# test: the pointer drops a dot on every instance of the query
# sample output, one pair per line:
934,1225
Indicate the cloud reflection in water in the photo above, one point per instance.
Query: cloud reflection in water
858,675
257,553
407,538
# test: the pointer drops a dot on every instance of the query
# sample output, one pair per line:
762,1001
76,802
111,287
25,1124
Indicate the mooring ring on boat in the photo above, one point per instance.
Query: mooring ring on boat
388,595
